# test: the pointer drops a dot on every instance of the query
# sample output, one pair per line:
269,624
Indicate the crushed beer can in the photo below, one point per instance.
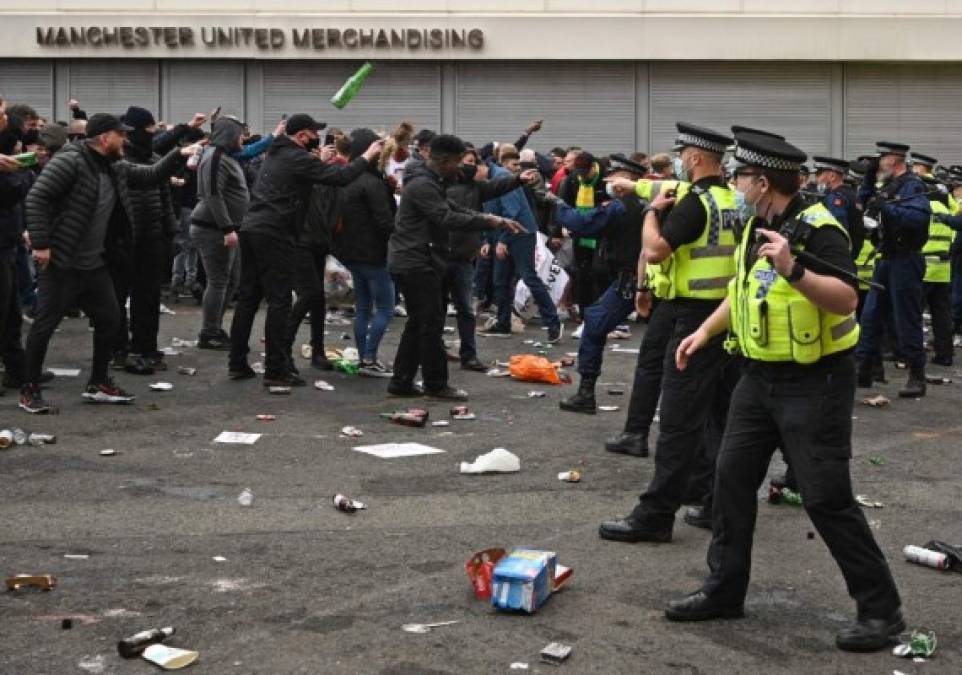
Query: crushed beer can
351,432
346,504
480,569
323,385
186,370
536,394
279,391
555,653
266,418
927,557
459,410
570,476
920,644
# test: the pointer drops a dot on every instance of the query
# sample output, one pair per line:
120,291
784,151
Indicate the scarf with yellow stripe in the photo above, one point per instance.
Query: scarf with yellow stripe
585,201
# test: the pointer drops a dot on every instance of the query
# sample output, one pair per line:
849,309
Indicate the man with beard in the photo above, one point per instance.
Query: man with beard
81,198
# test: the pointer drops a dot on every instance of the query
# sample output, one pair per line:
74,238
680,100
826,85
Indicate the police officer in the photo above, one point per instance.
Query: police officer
839,198
618,223
901,208
792,318
955,222
692,247
936,290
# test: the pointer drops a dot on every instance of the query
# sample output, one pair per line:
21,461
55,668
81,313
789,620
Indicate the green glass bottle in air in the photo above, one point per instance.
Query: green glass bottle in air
26,159
353,85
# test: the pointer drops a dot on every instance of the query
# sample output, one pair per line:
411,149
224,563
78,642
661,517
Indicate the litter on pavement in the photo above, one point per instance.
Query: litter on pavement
555,653
44,582
346,504
425,627
525,579
240,437
396,450
865,501
498,460
170,658
877,401
351,432
918,644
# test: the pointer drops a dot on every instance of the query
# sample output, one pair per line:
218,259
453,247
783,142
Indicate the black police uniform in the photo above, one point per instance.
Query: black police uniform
807,411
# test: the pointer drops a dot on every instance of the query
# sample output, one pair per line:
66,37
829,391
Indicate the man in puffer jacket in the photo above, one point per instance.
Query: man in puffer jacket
81,198
138,270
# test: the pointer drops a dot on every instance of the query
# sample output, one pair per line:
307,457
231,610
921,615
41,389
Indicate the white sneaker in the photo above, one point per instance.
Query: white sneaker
576,333
400,311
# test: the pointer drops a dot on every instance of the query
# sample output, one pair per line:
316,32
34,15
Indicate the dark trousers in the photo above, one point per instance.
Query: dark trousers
458,286
957,291
686,402
808,413
61,289
308,263
421,342
25,277
266,273
520,262
901,274
611,309
646,387
137,274
938,296
585,289
11,320
484,278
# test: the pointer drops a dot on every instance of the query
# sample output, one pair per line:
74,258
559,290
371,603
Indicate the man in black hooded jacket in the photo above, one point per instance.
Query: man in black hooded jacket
269,236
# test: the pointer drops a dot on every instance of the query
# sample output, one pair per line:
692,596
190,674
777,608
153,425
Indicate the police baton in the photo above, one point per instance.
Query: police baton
805,256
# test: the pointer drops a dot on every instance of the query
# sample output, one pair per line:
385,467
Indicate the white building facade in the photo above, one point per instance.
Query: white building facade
833,76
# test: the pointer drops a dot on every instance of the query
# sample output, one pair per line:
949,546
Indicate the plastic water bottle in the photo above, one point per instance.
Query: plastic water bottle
246,498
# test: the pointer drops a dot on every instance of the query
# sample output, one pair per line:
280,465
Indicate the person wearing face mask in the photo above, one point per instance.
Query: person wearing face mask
901,207
269,234
471,189
514,254
839,198
138,265
222,200
690,236
793,320
80,201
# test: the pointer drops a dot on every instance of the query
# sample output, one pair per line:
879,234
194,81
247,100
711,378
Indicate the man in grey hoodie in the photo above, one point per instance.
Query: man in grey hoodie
222,199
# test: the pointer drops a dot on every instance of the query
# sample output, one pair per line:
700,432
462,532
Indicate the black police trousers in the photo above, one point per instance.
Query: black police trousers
687,399
938,297
807,411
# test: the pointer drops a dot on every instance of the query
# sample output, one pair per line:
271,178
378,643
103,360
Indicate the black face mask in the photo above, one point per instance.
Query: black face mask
141,139
314,143
469,171
30,137
528,165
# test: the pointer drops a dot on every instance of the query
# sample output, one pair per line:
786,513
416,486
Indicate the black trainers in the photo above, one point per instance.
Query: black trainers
447,393
374,369
555,333
497,332
870,635
244,372
283,380
156,361
321,362
31,400
107,392
213,342
401,391
138,365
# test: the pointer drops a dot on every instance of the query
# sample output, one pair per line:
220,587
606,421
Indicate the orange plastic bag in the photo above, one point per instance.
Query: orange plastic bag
531,368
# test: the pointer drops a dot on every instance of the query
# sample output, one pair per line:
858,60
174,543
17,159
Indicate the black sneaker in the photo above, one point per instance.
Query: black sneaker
374,369
138,365
156,361
555,333
244,372
283,380
401,391
321,362
497,332
447,393
214,342
32,401
474,365
107,392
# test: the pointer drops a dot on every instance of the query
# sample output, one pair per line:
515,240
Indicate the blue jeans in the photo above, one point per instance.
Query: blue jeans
458,285
901,274
600,319
373,290
520,260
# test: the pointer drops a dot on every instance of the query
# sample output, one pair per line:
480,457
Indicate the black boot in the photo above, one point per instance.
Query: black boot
584,399
870,635
628,443
878,372
865,369
915,387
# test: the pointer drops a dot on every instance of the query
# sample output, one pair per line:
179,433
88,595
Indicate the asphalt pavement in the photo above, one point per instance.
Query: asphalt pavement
304,588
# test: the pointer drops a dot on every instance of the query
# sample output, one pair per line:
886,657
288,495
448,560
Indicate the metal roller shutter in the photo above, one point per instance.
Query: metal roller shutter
112,86
915,104
201,86
395,91
792,99
29,82
591,105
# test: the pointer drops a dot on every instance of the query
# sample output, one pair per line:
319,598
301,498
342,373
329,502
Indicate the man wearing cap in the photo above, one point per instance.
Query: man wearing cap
616,223
79,203
792,318
936,291
690,237
584,189
838,198
268,236
901,208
